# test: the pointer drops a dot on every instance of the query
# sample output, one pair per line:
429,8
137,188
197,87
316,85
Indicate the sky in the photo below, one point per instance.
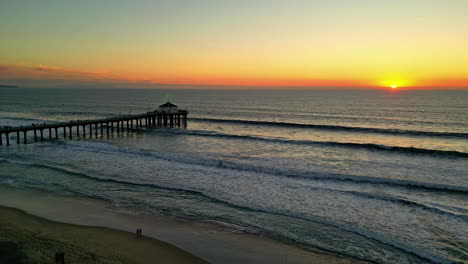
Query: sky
235,43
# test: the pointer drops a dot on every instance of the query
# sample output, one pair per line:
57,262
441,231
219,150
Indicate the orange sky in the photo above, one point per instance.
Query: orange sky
341,44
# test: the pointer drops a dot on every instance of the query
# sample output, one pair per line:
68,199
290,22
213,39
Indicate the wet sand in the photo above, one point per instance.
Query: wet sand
210,242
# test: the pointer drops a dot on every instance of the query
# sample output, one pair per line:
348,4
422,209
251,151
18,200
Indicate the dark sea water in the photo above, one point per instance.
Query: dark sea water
377,175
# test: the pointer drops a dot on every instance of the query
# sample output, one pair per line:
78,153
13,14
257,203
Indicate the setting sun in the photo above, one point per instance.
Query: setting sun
395,83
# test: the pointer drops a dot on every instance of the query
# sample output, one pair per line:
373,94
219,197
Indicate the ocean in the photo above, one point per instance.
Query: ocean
379,175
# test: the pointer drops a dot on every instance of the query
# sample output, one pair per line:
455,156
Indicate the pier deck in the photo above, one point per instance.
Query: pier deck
106,125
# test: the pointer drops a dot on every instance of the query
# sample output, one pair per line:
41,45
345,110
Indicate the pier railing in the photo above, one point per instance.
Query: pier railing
101,126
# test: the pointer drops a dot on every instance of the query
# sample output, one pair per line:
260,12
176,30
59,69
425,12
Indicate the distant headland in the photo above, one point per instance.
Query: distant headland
8,86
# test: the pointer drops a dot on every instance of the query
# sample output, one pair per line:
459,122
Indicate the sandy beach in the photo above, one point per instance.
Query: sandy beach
104,234
25,238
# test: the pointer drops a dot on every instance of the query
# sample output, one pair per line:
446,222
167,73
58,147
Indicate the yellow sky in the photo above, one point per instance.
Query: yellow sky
362,43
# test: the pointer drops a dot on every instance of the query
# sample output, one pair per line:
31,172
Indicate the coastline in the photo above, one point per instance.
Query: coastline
210,242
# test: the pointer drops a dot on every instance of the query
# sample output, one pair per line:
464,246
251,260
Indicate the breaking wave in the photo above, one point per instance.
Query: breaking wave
369,146
338,128
96,147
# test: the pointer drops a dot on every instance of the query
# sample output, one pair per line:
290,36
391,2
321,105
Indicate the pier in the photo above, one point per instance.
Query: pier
168,115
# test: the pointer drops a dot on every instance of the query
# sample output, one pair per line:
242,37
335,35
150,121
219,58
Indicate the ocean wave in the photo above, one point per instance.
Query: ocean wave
337,128
403,201
90,114
309,115
356,230
98,147
356,193
410,150
25,119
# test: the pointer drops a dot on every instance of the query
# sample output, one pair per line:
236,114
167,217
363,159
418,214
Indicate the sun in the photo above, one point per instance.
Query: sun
394,83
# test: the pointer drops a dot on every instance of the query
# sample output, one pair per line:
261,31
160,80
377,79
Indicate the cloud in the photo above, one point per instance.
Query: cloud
47,68
42,68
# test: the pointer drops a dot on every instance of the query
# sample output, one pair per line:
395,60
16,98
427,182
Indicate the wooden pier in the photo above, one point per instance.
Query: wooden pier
90,128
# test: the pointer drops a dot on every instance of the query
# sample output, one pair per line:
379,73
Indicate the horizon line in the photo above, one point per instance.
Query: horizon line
243,87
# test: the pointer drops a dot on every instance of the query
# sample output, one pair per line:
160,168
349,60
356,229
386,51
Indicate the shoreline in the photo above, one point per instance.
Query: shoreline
210,242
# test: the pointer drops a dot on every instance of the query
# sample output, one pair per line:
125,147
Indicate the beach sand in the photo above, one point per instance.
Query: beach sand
25,238
100,229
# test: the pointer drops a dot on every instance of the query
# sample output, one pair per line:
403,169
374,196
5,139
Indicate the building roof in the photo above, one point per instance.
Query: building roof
168,104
